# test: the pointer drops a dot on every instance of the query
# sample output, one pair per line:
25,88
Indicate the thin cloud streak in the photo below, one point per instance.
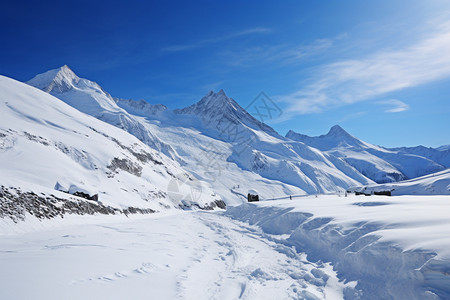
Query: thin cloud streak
353,116
211,41
281,54
396,105
351,81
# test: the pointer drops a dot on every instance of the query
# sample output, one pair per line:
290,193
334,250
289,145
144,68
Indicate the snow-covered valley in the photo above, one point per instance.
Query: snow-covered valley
329,247
110,198
185,255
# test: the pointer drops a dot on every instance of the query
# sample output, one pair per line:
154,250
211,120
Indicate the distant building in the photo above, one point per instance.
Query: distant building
252,196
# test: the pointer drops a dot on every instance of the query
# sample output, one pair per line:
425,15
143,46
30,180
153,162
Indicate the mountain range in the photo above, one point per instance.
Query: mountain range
378,163
65,132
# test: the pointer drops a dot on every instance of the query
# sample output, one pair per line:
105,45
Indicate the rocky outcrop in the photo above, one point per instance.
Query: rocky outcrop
15,204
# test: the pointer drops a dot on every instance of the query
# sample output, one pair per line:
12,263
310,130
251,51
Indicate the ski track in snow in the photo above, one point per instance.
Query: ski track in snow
188,255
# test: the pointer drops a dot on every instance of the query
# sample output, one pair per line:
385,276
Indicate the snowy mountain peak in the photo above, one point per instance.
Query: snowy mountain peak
66,70
218,108
212,100
336,137
337,130
213,105
89,97
83,94
57,80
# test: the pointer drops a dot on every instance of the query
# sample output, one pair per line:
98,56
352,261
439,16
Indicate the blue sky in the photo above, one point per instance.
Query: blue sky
380,69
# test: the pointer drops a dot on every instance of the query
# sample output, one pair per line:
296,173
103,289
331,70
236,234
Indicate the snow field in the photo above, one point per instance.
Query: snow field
186,255
395,247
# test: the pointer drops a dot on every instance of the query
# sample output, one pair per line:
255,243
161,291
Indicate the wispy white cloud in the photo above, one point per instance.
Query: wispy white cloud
281,54
245,56
306,50
353,116
215,40
395,105
348,81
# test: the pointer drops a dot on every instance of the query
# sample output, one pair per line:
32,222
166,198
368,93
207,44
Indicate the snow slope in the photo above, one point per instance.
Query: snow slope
328,247
206,158
88,97
47,145
395,247
378,163
432,184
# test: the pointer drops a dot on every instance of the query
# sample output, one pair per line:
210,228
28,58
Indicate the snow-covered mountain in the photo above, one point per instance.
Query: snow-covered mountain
53,155
256,147
221,143
443,148
222,113
378,163
140,108
440,155
47,146
225,137
88,97
431,184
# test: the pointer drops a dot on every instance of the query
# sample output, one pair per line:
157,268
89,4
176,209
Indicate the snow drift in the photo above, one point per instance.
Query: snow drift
395,247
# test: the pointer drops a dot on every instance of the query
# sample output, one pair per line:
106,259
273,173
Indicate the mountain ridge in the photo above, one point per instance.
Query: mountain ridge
376,162
218,108
89,97
335,160
250,145
49,147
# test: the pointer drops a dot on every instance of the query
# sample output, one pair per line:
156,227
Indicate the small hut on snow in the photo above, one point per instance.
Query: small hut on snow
252,196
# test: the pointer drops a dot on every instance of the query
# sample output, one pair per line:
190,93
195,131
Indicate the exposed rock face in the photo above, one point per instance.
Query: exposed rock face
126,165
15,204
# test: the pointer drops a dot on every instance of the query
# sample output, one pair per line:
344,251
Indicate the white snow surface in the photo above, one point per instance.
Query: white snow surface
177,255
324,247
395,247
432,184
46,144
